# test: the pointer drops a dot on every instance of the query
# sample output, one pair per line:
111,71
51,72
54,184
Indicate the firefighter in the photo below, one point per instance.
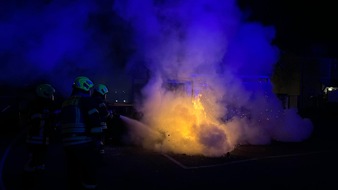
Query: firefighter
80,129
100,95
41,123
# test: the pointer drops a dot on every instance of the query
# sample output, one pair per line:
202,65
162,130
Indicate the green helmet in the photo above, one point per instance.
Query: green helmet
101,88
83,83
45,91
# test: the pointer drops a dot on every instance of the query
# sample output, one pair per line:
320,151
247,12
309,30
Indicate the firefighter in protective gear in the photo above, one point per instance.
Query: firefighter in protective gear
41,123
80,129
100,95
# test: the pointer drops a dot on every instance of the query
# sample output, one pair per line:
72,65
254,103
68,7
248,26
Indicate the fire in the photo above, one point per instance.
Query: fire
178,121
199,109
181,125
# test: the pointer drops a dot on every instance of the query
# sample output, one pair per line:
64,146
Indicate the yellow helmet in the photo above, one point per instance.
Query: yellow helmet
83,83
101,89
45,91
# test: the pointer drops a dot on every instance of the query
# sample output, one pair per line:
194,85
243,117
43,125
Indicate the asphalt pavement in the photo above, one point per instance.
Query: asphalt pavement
311,164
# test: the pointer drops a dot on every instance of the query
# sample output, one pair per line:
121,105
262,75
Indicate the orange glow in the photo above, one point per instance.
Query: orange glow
199,109
181,125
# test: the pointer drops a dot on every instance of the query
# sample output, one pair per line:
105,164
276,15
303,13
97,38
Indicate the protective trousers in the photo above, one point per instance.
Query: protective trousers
82,163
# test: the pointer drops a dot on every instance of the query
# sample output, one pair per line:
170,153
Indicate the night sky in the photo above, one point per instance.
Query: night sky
300,25
36,37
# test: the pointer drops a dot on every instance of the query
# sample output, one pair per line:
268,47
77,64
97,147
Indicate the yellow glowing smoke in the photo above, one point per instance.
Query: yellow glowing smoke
199,109
185,120
183,126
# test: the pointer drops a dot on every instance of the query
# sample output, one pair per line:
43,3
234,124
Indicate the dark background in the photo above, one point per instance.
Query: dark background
301,26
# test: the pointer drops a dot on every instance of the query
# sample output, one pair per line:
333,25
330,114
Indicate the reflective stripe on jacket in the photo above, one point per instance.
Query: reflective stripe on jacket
78,121
103,125
37,140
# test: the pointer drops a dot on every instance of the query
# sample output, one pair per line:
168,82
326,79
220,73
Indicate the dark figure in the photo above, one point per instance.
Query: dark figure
80,129
41,123
100,96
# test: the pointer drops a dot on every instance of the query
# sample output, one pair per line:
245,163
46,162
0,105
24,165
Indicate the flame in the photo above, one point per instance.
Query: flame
199,109
181,125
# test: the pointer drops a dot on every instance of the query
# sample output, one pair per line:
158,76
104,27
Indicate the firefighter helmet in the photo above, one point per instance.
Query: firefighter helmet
83,83
45,91
101,89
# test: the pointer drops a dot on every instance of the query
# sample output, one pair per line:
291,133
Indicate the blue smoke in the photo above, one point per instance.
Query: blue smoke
210,41
56,41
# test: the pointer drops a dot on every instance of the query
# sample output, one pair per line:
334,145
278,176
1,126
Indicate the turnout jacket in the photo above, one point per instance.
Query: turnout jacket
80,120
42,119
104,113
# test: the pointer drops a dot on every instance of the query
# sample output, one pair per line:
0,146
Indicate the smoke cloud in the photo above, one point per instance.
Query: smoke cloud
205,69
209,87
56,41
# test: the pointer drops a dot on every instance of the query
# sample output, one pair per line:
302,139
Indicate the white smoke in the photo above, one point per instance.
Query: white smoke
223,61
